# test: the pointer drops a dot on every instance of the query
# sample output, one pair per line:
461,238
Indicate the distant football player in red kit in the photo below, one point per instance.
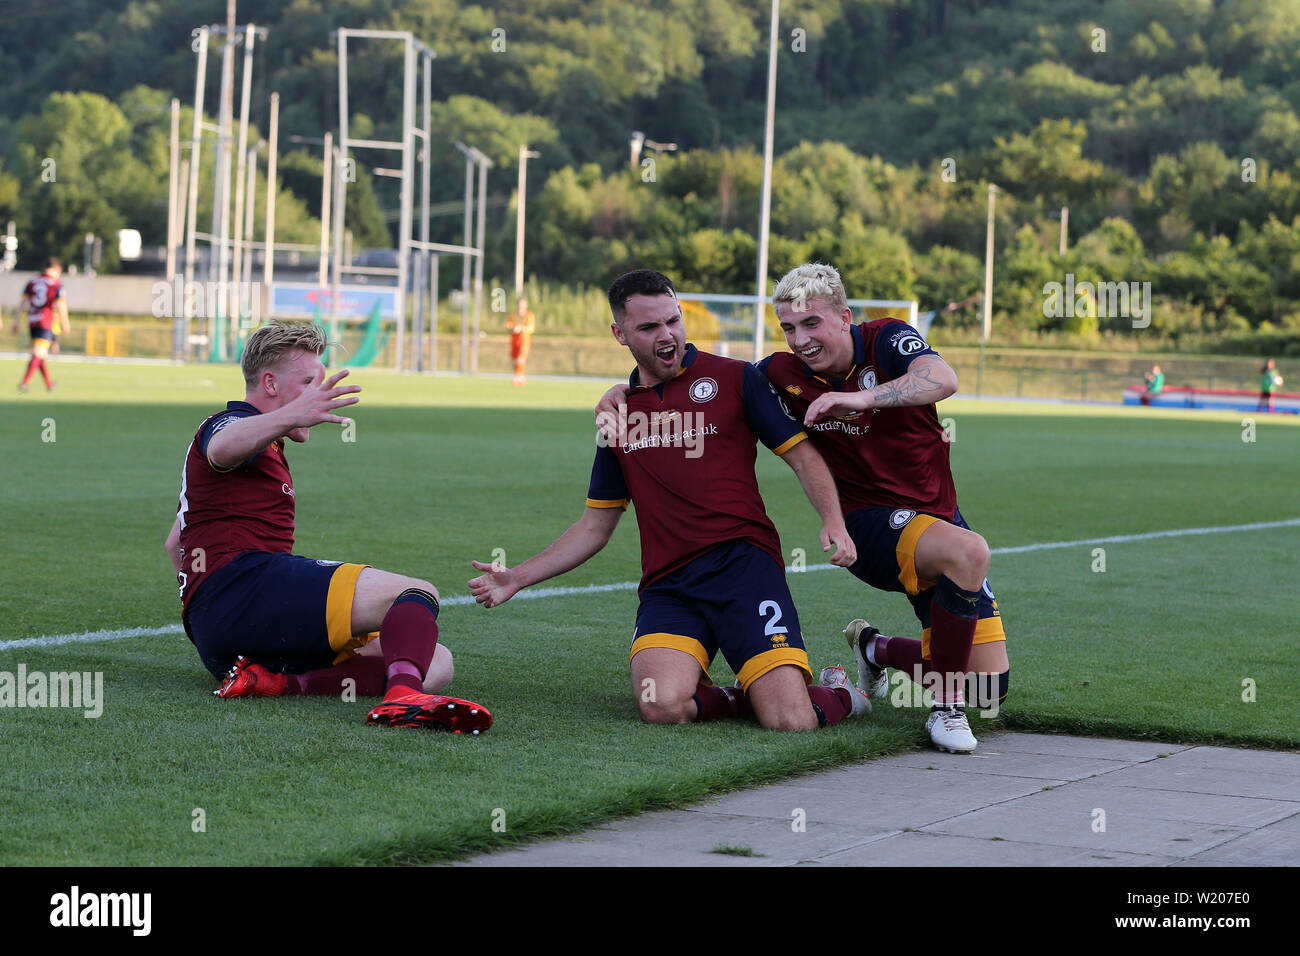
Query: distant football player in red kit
265,621
867,393
713,576
47,316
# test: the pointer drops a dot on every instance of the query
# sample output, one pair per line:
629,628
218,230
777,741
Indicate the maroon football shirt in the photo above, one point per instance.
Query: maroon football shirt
889,457
688,462
225,513
42,292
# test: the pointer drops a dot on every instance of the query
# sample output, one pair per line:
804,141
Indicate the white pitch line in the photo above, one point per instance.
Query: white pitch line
90,637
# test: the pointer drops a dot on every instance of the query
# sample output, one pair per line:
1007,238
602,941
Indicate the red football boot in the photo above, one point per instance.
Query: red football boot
433,712
247,679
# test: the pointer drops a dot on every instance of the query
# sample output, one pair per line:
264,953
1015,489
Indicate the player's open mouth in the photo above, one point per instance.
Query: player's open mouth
810,352
666,354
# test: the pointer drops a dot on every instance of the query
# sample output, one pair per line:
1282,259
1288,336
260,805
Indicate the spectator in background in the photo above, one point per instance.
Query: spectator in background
522,323
1269,382
1155,380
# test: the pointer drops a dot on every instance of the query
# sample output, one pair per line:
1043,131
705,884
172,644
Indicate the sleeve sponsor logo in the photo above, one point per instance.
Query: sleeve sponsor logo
911,344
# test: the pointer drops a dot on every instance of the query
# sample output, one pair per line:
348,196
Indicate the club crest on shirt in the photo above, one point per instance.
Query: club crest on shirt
901,517
867,380
702,390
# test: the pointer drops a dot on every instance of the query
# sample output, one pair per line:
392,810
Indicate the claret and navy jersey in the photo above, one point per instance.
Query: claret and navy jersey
686,458
224,513
42,292
904,465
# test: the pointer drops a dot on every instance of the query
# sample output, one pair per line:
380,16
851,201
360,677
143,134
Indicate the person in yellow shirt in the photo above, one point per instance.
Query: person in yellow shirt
522,324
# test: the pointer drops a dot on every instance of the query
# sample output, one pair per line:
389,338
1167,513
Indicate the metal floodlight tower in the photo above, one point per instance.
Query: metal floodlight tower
472,157
185,202
406,245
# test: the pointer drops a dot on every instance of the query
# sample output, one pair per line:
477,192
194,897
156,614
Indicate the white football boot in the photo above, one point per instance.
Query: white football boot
872,680
949,730
836,677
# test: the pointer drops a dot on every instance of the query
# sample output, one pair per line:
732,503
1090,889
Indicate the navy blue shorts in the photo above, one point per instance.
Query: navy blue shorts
40,332
734,599
886,542
288,613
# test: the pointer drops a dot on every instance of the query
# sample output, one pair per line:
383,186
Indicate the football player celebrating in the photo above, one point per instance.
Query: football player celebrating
868,394
713,575
268,622
47,316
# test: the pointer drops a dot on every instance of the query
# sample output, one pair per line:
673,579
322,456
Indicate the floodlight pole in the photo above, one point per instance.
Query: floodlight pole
988,292
173,225
524,155
428,259
988,269
268,267
325,194
221,179
465,264
173,185
237,271
483,165
1065,227
196,146
765,204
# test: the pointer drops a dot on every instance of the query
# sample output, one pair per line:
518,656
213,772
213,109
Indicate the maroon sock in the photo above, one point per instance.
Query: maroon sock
31,369
832,704
368,673
408,636
952,629
901,653
721,703
45,372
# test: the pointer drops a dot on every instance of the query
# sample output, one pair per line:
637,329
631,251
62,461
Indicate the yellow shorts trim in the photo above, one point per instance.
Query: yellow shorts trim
676,642
988,630
350,652
620,503
905,551
338,607
760,664
789,443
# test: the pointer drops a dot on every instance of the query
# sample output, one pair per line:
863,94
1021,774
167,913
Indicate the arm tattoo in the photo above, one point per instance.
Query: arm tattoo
917,387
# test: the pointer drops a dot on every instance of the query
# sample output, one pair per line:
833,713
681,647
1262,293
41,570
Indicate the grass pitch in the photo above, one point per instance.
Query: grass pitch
1187,638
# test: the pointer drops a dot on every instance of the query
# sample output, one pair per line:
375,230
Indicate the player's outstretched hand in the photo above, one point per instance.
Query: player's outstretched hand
318,400
846,552
607,414
836,403
495,587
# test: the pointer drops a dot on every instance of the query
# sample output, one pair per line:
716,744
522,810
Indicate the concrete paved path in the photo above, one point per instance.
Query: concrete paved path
1020,800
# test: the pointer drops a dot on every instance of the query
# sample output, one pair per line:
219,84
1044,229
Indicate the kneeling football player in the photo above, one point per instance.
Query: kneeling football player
713,576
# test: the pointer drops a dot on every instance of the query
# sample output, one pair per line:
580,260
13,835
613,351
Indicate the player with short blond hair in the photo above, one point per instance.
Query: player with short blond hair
266,621
867,393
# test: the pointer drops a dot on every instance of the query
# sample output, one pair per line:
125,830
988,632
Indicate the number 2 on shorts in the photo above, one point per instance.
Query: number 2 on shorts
771,627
